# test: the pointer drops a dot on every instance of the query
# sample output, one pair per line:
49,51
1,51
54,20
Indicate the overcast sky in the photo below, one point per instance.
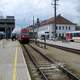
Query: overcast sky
24,10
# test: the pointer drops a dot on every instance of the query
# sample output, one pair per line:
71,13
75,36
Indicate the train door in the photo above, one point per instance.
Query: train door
69,36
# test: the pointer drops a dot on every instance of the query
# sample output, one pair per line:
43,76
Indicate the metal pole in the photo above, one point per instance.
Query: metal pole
45,41
55,16
33,27
55,3
10,32
5,30
38,23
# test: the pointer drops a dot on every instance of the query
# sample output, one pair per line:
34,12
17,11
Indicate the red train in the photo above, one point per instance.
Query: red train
23,36
73,36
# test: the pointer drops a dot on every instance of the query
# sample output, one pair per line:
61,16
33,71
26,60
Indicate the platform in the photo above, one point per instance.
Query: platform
12,62
73,45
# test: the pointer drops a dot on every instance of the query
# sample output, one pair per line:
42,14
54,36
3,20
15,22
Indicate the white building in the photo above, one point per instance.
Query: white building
62,26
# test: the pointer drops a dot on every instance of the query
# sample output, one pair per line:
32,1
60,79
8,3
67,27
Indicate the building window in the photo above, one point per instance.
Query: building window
69,27
46,32
56,34
66,27
59,35
63,27
59,27
56,27
63,34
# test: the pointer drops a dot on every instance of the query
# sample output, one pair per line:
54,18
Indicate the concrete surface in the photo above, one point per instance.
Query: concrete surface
73,45
12,63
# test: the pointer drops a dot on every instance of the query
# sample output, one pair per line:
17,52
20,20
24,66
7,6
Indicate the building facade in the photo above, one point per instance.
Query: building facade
7,25
62,26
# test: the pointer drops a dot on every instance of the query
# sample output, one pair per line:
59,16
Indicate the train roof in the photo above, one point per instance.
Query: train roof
74,32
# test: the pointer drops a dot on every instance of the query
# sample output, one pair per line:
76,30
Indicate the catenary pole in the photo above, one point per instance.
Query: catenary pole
33,27
55,13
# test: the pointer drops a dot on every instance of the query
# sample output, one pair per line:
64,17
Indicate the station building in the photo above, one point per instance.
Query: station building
47,27
7,25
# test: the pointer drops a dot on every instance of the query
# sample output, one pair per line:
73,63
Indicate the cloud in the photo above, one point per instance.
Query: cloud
24,10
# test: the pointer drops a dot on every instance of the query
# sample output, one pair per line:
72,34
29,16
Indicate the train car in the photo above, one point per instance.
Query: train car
73,36
23,36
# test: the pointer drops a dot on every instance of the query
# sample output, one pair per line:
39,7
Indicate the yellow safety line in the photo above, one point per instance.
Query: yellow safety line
15,64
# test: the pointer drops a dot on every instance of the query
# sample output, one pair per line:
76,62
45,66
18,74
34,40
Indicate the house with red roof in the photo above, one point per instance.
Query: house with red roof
47,27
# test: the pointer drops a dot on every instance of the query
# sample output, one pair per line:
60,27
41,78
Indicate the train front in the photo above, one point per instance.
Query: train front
25,35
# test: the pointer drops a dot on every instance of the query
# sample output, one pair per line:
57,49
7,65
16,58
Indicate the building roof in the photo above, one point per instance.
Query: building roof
59,20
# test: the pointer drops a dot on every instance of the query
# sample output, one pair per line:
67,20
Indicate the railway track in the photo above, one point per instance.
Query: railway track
45,68
61,47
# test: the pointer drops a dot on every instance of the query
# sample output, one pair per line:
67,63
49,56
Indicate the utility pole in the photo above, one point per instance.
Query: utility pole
55,16
38,23
33,27
37,26
55,12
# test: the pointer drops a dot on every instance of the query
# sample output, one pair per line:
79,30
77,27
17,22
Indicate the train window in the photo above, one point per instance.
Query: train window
24,33
78,34
75,35
72,34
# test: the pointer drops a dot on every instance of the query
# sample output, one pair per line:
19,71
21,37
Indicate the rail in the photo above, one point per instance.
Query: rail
34,62
62,47
70,75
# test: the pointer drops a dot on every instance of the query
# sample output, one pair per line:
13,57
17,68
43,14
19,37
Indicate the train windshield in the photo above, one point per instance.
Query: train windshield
25,33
